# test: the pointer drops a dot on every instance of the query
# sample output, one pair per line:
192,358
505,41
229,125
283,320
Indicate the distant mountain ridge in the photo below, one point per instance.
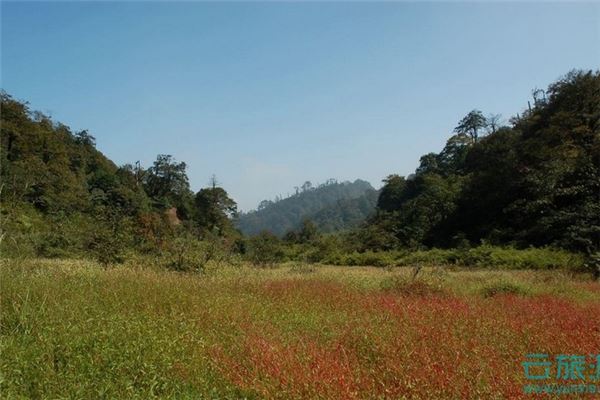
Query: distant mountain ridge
332,206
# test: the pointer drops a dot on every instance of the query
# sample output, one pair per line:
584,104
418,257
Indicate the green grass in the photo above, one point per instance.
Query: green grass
72,329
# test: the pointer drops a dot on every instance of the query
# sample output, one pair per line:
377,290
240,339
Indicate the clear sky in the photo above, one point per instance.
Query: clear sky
268,95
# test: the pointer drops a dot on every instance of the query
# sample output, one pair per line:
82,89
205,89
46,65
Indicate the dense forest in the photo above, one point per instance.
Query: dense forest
534,181
332,206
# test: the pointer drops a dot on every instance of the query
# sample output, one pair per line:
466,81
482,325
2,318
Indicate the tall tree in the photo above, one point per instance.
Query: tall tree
308,232
215,210
471,125
166,182
452,158
494,121
391,194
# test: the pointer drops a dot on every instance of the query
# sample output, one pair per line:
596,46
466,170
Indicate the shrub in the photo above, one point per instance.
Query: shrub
504,287
325,248
187,253
486,256
106,248
264,249
368,258
530,258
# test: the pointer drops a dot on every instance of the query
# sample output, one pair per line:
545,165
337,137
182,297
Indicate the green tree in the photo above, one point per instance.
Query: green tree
473,123
308,231
392,193
493,171
429,163
215,210
452,158
558,190
166,182
264,249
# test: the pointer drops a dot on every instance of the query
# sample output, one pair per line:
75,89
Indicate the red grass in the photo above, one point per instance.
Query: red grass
414,347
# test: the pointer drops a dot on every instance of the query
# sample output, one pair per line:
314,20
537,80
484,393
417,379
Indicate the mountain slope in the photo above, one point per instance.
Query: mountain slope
332,206
58,191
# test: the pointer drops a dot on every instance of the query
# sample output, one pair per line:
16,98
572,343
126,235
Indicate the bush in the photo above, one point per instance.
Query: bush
106,247
368,258
483,256
503,287
264,249
486,256
592,265
325,249
530,258
185,256
189,254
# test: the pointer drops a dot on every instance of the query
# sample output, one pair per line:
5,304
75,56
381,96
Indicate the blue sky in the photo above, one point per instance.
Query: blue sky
268,95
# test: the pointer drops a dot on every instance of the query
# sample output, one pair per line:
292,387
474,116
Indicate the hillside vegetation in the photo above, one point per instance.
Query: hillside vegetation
533,181
60,196
331,206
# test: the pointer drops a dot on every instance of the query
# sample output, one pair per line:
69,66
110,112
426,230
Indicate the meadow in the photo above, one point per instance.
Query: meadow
75,329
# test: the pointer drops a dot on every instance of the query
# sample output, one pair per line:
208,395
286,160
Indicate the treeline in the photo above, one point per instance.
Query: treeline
534,181
331,206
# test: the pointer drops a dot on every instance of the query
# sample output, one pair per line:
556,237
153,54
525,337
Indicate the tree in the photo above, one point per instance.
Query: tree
429,200
391,195
452,158
429,163
166,182
264,249
493,122
166,177
493,175
84,138
214,210
308,232
471,125
306,186
264,204
558,189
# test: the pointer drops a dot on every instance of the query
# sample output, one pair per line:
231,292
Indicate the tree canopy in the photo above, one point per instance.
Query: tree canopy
536,182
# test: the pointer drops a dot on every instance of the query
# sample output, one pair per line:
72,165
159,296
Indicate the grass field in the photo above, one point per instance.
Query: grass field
71,329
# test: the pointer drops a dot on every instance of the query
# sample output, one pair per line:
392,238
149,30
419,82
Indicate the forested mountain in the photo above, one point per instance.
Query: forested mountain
61,196
534,182
331,206
346,213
